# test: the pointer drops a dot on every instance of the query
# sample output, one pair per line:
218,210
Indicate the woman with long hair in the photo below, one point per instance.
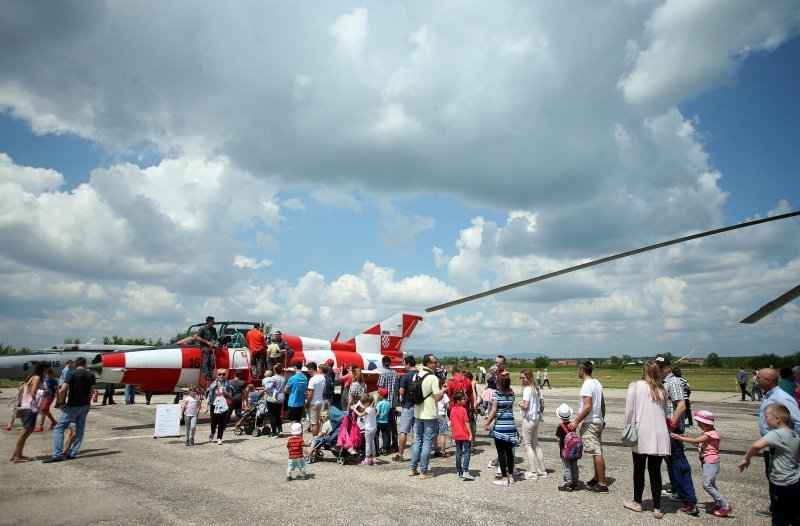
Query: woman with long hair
357,387
28,408
646,408
532,406
504,431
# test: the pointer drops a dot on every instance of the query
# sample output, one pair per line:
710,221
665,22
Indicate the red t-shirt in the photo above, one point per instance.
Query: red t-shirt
256,341
295,445
459,422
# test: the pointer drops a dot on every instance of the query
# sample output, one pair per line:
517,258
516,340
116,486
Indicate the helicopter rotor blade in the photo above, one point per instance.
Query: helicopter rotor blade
773,305
607,259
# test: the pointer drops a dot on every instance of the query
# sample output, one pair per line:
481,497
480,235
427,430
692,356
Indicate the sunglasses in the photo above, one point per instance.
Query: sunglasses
220,374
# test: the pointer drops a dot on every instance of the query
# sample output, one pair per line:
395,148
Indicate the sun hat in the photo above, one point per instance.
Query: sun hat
297,429
564,412
706,417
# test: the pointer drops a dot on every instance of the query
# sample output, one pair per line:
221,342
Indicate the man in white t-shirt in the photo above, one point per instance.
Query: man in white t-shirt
315,396
591,412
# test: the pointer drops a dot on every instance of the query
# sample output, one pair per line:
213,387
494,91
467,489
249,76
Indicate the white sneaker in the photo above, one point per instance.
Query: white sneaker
219,441
541,475
530,475
467,476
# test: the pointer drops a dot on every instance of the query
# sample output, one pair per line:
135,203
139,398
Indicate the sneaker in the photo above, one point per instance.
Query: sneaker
566,487
688,509
723,512
598,489
493,464
591,483
467,476
191,442
674,497
366,462
38,429
531,476
667,491
51,460
501,482
302,476
413,473
6,428
542,475
186,443
764,513
219,441
426,475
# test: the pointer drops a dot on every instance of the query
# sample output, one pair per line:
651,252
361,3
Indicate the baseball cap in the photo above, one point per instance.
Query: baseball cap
330,361
663,360
384,392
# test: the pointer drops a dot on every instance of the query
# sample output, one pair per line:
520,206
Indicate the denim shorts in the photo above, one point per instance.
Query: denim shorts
442,429
407,420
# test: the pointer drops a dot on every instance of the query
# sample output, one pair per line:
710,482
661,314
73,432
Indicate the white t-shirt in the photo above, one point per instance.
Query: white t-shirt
441,403
370,419
595,390
317,385
192,406
530,396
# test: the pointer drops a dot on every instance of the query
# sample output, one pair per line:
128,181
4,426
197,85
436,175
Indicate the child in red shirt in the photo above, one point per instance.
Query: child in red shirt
297,451
462,435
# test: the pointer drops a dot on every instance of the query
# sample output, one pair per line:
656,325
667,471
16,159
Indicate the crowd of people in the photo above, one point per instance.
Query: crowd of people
433,409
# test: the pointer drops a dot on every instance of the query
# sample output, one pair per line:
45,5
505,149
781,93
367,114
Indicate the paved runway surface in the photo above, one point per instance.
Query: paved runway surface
125,476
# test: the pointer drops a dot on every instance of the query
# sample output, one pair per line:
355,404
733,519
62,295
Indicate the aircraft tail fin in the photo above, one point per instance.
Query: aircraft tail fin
387,337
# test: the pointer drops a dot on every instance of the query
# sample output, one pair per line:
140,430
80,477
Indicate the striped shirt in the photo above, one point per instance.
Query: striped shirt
505,428
391,381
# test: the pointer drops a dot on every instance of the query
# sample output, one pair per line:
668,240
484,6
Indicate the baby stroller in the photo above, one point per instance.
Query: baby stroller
345,435
250,420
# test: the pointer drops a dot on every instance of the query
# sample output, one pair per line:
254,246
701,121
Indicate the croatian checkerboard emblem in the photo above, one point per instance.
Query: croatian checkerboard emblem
384,339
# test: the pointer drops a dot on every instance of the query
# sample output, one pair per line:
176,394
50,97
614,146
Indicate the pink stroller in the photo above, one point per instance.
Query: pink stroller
350,438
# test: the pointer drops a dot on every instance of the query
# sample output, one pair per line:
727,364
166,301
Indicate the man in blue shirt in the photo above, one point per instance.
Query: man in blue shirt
768,382
295,391
407,408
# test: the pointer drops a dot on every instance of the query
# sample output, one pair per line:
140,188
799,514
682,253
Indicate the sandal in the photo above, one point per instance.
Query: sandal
445,454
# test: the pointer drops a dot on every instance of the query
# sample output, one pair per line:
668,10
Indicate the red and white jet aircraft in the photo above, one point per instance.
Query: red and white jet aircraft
172,368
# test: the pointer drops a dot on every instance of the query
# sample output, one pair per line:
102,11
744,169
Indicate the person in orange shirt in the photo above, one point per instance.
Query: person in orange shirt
257,344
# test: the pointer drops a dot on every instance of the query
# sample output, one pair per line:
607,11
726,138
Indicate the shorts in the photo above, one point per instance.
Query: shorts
591,432
407,420
295,414
28,418
442,427
47,403
315,413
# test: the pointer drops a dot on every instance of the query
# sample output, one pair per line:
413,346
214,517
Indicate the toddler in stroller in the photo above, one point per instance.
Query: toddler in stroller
340,435
253,421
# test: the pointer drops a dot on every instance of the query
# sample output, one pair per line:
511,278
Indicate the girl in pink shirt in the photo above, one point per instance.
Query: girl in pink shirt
709,459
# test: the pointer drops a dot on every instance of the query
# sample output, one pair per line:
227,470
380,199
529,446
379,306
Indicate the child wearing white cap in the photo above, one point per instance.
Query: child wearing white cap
564,412
297,451
709,442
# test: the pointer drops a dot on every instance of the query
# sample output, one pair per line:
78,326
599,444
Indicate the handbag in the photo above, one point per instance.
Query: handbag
629,433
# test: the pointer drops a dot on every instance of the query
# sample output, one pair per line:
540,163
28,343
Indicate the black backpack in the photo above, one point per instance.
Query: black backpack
414,390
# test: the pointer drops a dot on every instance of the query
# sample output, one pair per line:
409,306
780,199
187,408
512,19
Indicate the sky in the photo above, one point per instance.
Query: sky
322,166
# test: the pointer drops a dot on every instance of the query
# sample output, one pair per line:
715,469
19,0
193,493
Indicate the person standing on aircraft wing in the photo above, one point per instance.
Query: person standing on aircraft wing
207,336
257,344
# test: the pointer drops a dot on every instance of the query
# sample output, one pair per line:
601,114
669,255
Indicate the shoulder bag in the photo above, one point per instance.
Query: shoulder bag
629,434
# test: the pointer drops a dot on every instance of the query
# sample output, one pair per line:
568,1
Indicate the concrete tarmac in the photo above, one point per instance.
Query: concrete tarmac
124,476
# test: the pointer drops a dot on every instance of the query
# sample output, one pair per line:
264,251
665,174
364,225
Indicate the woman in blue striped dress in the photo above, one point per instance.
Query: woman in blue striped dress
504,431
